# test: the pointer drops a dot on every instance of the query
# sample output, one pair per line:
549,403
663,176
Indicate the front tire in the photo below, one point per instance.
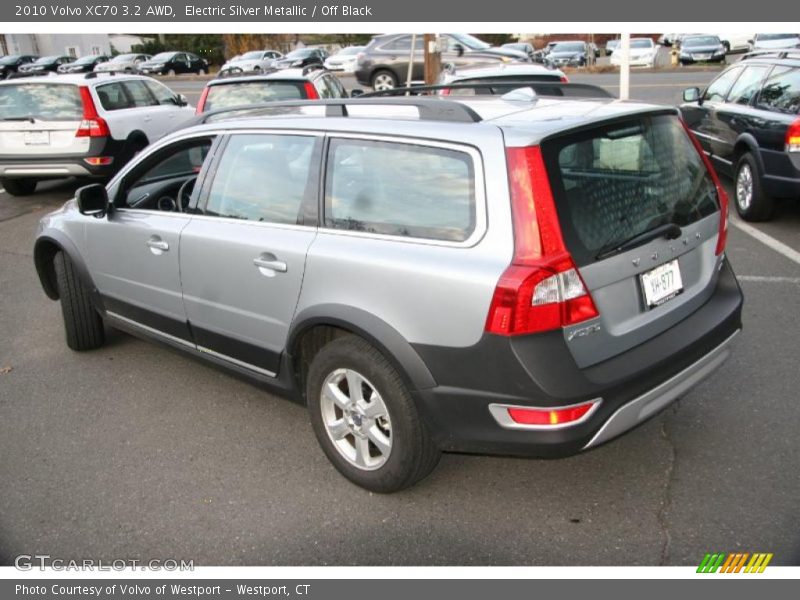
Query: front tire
19,187
383,80
82,324
365,419
752,203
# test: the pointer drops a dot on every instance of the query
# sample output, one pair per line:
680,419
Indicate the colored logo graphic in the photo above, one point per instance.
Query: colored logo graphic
735,562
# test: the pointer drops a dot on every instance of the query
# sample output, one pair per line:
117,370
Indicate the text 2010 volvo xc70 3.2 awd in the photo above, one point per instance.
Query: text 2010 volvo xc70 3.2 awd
517,274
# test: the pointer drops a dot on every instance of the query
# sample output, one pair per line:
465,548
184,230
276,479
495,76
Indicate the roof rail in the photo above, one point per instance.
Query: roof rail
772,54
430,109
229,73
95,74
503,86
310,68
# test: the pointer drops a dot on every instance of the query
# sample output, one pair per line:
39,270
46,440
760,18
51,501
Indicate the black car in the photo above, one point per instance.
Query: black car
9,64
524,47
302,57
384,62
174,63
747,121
85,64
701,48
43,65
568,54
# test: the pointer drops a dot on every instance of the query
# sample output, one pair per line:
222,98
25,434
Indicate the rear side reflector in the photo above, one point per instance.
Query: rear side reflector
92,125
97,161
722,195
793,137
531,417
541,289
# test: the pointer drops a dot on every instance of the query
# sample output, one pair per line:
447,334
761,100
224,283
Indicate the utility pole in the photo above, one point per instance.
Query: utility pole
625,67
433,59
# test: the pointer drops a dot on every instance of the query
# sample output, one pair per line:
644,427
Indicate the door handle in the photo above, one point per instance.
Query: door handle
268,264
157,245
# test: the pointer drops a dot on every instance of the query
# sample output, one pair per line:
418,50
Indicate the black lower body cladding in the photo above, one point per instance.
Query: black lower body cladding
538,370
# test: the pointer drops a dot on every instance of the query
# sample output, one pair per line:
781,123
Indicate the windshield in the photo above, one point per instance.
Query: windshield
48,102
303,53
470,41
245,93
568,47
617,181
86,60
766,37
704,40
46,60
641,43
123,58
163,56
254,55
350,51
7,60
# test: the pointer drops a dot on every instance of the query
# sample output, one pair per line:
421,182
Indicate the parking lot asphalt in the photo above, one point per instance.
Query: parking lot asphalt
137,451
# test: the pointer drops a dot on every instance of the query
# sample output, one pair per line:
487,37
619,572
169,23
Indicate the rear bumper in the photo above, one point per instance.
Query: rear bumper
781,173
49,166
539,371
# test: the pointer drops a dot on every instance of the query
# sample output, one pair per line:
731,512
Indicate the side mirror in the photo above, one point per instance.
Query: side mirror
92,200
459,50
691,94
181,100
751,41
356,92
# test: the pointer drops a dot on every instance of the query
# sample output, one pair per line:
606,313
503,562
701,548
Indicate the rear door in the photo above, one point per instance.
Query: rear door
703,120
618,181
242,261
39,119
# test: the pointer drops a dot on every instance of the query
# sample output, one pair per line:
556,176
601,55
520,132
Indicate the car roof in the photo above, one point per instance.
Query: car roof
787,58
524,122
75,79
278,75
502,69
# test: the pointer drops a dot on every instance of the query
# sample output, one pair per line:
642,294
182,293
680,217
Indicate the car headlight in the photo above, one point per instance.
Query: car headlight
296,63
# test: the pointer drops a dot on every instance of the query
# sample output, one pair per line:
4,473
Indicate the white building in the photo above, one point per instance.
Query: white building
70,44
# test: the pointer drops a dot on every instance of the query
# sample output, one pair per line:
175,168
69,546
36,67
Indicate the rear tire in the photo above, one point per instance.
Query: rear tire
383,80
82,324
171,73
404,453
752,203
201,71
19,187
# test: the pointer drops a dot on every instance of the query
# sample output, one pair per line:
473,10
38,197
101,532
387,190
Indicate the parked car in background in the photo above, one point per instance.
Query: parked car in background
502,74
383,64
568,54
302,57
594,49
43,66
174,63
85,64
344,60
123,63
309,83
735,41
611,45
484,275
643,53
748,122
523,47
775,41
80,125
251,62
9,64
701,48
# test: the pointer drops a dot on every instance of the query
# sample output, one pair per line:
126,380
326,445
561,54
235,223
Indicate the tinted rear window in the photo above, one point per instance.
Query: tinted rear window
400,189
254,92
781,91
617,181
48,102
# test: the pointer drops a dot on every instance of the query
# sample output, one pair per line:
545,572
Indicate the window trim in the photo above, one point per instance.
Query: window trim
757,98
754,98
480,228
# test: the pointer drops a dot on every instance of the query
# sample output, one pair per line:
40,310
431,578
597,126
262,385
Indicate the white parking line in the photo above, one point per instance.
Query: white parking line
768,279
768,241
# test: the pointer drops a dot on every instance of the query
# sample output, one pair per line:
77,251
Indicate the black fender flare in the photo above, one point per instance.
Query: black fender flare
373,329
43,256
748,140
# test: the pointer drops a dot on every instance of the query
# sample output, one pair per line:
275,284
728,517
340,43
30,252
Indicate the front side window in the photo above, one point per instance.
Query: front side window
781,91
162,93
747,85
140,96
718,89
400,189
263,177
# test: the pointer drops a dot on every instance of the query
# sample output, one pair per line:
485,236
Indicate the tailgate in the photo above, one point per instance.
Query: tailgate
40,118
640,216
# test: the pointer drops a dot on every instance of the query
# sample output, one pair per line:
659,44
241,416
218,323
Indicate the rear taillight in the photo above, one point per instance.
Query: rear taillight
201,104
793,137
92,125
360,57
541,289
311,91
722,238
564,79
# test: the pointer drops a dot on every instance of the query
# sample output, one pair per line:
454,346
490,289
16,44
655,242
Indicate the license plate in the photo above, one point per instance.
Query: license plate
37,138
661,284
702,56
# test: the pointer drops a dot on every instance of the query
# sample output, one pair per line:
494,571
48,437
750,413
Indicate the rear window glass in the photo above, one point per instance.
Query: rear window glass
400,189
254,92
781,91
48,102
618,181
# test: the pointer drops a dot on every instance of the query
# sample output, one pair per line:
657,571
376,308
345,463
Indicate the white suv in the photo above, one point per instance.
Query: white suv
80,125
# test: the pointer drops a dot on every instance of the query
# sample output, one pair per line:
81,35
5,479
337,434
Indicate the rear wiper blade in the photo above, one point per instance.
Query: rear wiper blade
28,118
668,230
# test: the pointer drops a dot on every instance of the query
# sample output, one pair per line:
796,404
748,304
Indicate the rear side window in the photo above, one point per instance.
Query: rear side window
747,85
263,178
48,102
718,89
254,92
400,189
781,91
139,94
113,97
617,181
